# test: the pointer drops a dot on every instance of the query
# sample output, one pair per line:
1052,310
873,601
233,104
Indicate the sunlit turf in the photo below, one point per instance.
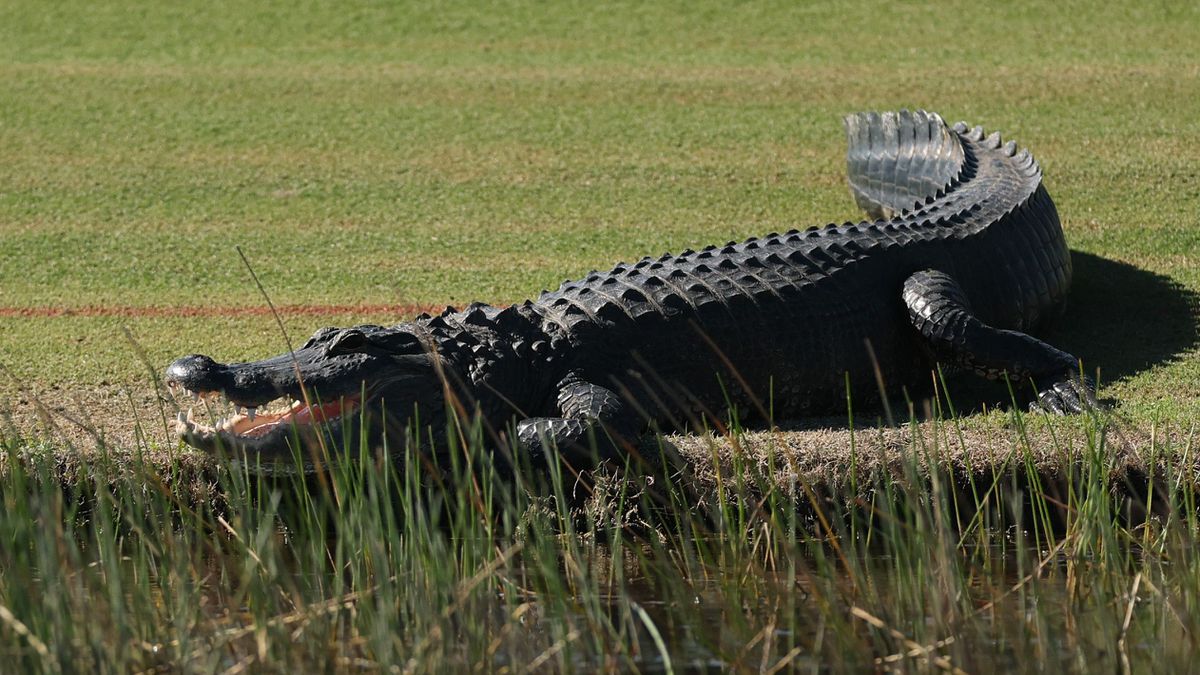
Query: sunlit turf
428,154
367,154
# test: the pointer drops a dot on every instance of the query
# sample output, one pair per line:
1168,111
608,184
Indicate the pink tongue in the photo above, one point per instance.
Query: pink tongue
306,416
322,413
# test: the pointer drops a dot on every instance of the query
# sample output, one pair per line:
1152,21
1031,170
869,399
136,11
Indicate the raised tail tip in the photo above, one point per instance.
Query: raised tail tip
890,120
897,160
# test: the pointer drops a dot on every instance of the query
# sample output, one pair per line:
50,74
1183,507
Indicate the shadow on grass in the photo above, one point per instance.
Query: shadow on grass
1124,320
1120,319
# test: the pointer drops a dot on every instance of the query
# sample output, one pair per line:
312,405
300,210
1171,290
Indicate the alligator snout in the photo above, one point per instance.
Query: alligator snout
245,384
197,372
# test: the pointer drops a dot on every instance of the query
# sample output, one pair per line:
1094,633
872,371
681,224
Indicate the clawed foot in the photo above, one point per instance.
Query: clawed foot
1070,395
533,435
581,440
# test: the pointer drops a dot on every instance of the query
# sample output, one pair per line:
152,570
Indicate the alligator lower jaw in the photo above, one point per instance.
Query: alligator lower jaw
268,430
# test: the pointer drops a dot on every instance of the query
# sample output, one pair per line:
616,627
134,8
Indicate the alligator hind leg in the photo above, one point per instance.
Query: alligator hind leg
589,411
938,309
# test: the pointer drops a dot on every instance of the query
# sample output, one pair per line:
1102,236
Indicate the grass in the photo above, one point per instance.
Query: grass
432,563
441,155
372,154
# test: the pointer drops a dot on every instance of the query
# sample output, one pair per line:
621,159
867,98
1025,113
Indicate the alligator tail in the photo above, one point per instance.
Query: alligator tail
898,160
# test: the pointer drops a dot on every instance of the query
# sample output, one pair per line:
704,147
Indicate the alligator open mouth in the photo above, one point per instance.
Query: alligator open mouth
266,425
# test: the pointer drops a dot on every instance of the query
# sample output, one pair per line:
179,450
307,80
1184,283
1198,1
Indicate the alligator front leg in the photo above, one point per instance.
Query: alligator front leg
939,310
588,411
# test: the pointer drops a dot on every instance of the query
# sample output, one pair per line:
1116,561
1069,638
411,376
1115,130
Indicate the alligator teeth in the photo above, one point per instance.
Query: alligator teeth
183,423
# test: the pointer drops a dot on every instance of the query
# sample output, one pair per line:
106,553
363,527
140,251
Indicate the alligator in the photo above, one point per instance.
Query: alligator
963,259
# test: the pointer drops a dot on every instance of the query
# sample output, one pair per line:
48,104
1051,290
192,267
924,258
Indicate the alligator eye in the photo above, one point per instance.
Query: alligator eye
346,342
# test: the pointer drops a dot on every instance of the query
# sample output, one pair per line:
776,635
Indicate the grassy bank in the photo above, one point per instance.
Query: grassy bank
1053,556
369,158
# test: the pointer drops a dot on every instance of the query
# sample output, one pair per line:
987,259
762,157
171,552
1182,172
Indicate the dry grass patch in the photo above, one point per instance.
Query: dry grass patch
83,426
848,465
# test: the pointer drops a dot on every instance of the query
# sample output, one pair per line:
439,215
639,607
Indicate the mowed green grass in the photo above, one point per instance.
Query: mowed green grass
430,153
436,153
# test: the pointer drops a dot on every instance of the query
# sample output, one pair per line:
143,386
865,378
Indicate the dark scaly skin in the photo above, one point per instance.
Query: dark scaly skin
972,259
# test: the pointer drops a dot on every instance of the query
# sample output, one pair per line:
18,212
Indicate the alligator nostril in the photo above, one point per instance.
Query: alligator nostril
193,370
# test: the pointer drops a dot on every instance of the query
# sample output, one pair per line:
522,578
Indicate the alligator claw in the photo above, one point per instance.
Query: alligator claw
1070,395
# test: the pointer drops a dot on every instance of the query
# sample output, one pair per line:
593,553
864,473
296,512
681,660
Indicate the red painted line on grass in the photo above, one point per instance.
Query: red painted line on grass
46,311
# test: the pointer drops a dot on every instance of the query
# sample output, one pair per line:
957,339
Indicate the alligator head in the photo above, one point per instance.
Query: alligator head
314,395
